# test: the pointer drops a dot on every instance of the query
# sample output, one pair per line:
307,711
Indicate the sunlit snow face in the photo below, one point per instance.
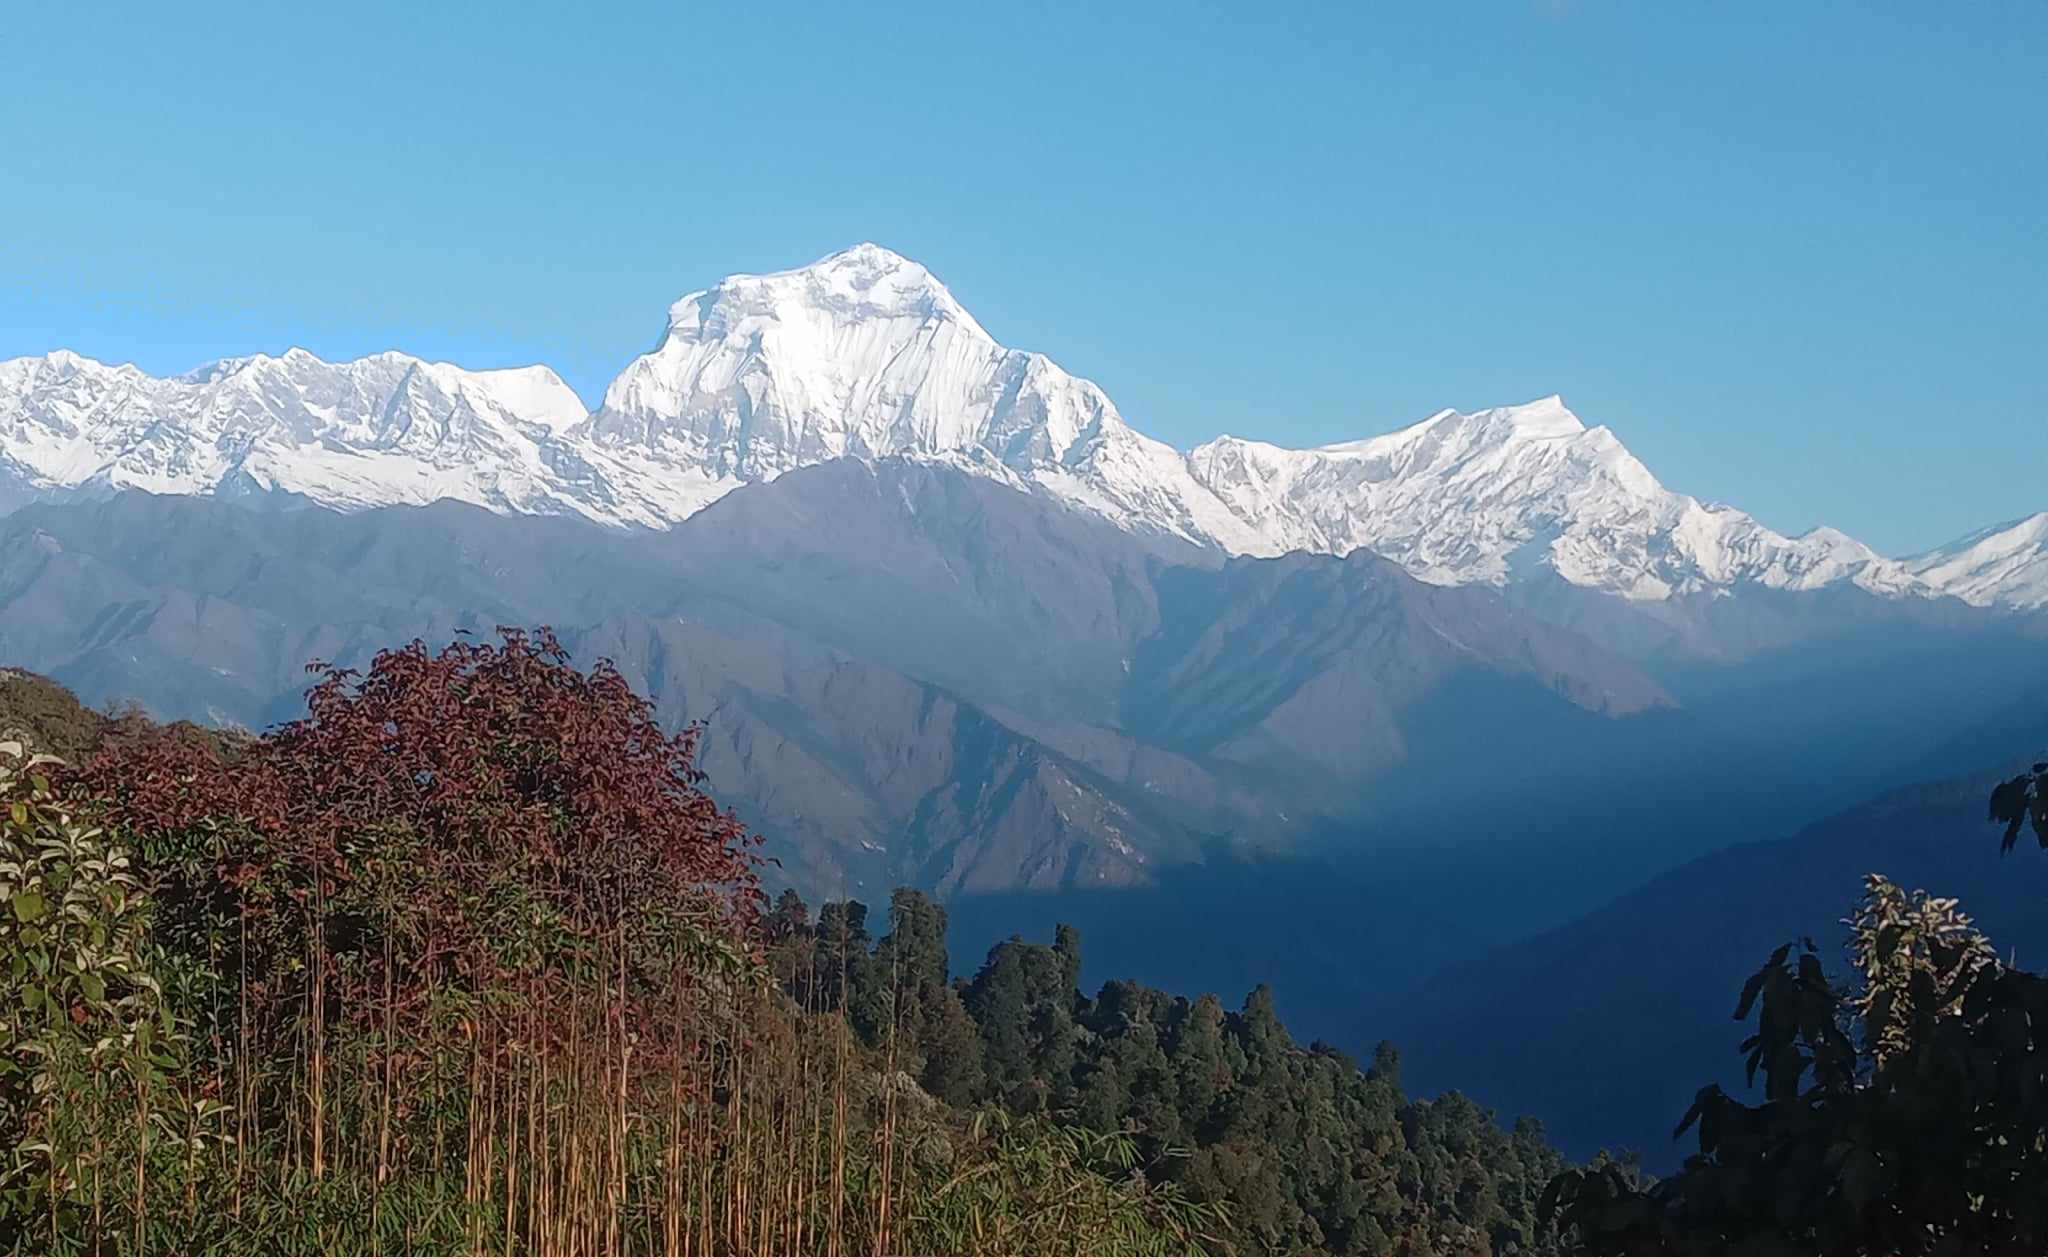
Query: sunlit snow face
865,354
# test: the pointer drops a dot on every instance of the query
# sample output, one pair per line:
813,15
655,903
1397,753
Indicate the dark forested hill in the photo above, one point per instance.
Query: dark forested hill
1306,1151
1607,1026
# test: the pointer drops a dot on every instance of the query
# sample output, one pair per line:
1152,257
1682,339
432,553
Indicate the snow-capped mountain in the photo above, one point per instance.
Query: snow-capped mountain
2004,565
865,354
1500,495
378,431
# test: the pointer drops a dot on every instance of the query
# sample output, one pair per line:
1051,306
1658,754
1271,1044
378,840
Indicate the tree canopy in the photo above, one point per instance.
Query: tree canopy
1303,1151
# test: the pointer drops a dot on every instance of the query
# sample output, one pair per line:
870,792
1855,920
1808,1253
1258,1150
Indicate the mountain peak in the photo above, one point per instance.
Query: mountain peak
866,268
2003,565
69,362
863,353
867,260
1545,419
860,285
1546,416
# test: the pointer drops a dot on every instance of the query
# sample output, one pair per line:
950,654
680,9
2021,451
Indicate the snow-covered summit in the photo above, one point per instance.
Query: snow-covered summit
388,428
2003,565
861,353
862,284
1502,495
866,354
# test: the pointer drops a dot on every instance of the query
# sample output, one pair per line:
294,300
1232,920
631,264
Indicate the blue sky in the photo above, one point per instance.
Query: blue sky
1795,255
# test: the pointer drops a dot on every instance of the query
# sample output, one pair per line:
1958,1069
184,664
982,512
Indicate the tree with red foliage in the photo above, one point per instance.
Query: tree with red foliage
456,864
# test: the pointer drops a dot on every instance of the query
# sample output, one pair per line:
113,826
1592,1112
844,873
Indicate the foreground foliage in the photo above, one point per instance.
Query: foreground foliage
1905,1113
464,961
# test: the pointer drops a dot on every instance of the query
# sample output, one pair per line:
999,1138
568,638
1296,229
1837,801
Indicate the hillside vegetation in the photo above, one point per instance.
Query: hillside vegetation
1306,1152
465,960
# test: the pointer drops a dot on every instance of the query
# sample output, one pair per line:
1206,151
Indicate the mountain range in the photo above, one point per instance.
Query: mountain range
865,354
1053,672
946,619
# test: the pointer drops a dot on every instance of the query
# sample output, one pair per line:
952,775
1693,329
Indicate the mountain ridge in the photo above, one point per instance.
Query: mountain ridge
2004,564
1040,654
865,354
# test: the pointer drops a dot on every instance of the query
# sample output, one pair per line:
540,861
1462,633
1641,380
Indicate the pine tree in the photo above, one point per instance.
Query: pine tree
1201,1063
842,963
935,1038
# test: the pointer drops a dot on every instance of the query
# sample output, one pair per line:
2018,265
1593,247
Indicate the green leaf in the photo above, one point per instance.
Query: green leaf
94,987
28,906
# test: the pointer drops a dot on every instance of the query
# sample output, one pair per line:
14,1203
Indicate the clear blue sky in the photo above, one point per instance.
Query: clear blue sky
1796,255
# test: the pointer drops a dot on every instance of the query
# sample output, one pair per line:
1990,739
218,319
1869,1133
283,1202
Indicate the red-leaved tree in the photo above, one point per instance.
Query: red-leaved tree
464,884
